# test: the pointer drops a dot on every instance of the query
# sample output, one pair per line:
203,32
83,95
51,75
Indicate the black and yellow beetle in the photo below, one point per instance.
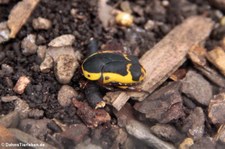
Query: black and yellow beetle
111,68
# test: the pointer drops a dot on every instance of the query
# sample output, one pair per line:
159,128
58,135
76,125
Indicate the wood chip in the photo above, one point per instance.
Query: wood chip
19,15
166,56
217,57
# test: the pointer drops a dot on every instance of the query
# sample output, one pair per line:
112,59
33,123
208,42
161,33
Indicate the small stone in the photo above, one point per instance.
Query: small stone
124,19
194,124
22,108
75,132
216,109
4,32
4,1
41,23
222,134
186,143
167,132
2,55
7,69
164,105
64,68
63,40
9,98
65,94
87,145
41,51
21,84
196,87
36,128
29,46
36,113
218,3
125,6
10,120
149,25
47,64
56,52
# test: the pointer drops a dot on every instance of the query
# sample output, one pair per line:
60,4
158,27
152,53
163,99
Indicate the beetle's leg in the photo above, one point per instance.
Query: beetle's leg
133,88
92,46
94,96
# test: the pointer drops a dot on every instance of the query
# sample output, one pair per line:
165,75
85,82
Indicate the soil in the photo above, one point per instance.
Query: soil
42,92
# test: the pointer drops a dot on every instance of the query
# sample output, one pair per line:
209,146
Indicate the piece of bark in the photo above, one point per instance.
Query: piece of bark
166,56
216,57
19,15
197,56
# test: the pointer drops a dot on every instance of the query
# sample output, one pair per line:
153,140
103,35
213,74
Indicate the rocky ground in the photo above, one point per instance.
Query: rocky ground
42,99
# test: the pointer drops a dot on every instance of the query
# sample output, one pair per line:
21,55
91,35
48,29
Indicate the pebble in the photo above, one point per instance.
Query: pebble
41,51
196,87
65,67
75,132
22,108
10,120
204,143
4,32
149,25
47,64
41,23
167,132
216,109
63,40
29,139
194,124
56,52
87,144
2,55
9,98
7,69
36,113
65,94
28,45
4,1
36,128
164,105
125,6
218,3
21,84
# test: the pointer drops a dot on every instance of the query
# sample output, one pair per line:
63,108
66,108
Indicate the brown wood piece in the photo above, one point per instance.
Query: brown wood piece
166,57
19,15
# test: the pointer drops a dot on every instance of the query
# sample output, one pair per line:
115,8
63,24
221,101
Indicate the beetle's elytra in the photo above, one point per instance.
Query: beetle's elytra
113,68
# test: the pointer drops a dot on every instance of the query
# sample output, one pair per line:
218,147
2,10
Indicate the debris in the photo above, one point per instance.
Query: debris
41,23
36,114
105,13
149,25
216,109
87,145
47,64
29,46
141,132
216,57
197,88
22,108
28,139
204,143
65,94
7,69
124,19
91,117
36,128
167,132
125,6
21,84
4,1
6,138
194,124
218,4
167,56
164,105
10,120
186,143
4,32
75,132
178,74
19,15
9,98
197,55
65,67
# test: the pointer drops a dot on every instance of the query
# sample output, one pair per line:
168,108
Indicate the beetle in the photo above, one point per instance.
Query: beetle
113,69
